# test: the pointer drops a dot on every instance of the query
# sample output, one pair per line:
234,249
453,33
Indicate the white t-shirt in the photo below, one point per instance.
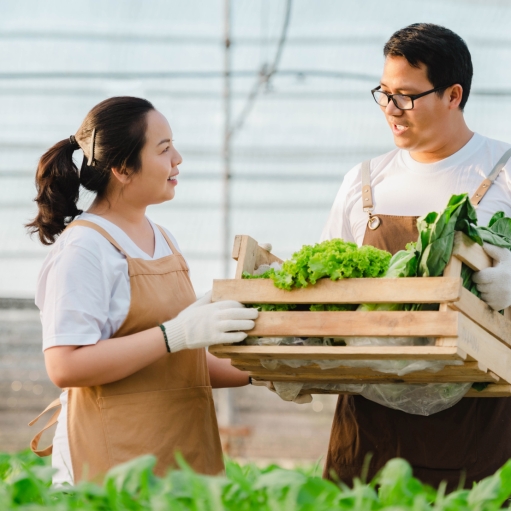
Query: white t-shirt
83,294
404,187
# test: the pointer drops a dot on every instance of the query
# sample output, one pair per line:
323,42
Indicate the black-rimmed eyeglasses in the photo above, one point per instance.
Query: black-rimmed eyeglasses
402,101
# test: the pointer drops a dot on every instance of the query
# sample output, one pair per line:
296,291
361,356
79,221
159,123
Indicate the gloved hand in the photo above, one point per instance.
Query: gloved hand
266,246
494,283
204,324
299,400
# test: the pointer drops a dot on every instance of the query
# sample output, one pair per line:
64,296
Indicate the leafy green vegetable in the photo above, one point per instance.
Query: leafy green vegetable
433,249
272,307
283,307
404,263
332,307
480,385
266,275
436,234
335,259
498,231
25,486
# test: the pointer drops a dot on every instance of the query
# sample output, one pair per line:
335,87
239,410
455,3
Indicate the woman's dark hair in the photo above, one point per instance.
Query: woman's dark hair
112,135
443,52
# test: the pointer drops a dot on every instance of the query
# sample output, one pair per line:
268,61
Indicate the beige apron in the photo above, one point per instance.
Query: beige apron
473,437
165,408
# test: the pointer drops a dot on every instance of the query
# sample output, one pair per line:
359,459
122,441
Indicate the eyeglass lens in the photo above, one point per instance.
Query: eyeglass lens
403,102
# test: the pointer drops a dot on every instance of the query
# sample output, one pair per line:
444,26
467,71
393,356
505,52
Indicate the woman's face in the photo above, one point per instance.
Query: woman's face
156,181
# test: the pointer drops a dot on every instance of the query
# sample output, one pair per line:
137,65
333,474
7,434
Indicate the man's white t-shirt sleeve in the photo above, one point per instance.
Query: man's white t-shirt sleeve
338,223
76,303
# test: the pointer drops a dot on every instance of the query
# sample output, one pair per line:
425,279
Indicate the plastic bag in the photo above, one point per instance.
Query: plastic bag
418,399
398,367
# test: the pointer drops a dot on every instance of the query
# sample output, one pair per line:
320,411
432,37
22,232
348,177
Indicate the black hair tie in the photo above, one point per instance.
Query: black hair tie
74,143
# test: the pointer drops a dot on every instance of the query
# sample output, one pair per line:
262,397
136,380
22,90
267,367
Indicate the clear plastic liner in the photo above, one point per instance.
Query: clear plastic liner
398,367
418,399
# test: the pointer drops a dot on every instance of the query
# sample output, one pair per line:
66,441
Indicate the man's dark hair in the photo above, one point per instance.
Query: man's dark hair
443,52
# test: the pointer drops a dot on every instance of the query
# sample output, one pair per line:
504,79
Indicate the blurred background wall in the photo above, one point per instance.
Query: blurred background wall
299,116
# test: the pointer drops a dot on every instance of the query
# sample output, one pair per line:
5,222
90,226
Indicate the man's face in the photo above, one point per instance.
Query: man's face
422,129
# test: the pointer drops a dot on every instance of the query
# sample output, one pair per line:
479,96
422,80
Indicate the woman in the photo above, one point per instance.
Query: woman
114,276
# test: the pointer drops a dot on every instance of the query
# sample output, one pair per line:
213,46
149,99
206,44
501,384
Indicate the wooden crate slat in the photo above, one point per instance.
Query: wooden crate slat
337,353
468,372
250,255
405,290
493,390
360,377
470,252
369,379
355,324
484,316
484,347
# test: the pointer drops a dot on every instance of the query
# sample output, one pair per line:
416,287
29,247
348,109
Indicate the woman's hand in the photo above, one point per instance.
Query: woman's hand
204,324
223,375
201,324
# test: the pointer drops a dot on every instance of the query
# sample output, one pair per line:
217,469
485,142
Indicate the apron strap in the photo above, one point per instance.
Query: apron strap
34,444
367,194
92,225
167,239
485,185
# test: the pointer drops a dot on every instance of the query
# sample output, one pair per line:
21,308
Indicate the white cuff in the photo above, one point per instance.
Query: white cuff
175,335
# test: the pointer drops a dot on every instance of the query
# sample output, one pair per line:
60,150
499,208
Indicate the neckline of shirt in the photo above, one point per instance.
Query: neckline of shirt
459,157
127,243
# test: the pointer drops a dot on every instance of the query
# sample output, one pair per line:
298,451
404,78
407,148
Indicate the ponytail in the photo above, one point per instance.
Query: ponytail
111,136
58,185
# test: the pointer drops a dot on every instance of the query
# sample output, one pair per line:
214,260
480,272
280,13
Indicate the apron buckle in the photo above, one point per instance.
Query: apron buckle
374,221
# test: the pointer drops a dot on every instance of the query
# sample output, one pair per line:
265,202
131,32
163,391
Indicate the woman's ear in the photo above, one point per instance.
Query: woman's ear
121,175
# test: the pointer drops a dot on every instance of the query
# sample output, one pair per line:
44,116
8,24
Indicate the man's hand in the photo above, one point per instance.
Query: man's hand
494,283
301,399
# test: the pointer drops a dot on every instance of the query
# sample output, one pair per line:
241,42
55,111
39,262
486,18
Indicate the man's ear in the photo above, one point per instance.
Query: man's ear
455,95
121,175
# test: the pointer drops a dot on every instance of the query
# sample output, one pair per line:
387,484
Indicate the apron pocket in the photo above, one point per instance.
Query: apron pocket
162,423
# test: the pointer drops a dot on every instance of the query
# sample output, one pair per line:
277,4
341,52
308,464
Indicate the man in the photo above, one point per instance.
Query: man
424,87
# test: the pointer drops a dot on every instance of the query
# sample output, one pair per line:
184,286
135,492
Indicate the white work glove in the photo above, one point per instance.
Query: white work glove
299,400
494,283
204,324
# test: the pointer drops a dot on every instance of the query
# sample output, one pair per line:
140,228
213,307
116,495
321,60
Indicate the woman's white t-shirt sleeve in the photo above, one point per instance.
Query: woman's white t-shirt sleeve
77,298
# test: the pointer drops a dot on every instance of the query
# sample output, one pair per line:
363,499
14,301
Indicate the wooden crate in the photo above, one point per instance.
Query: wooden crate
465,328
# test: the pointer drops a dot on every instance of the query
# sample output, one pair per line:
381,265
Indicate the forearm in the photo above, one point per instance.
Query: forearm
105,362
223,375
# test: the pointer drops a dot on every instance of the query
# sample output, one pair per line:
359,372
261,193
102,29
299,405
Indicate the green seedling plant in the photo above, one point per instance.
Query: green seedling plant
25,485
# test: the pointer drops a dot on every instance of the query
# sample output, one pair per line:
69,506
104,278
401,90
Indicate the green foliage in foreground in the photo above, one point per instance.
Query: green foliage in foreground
25,485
